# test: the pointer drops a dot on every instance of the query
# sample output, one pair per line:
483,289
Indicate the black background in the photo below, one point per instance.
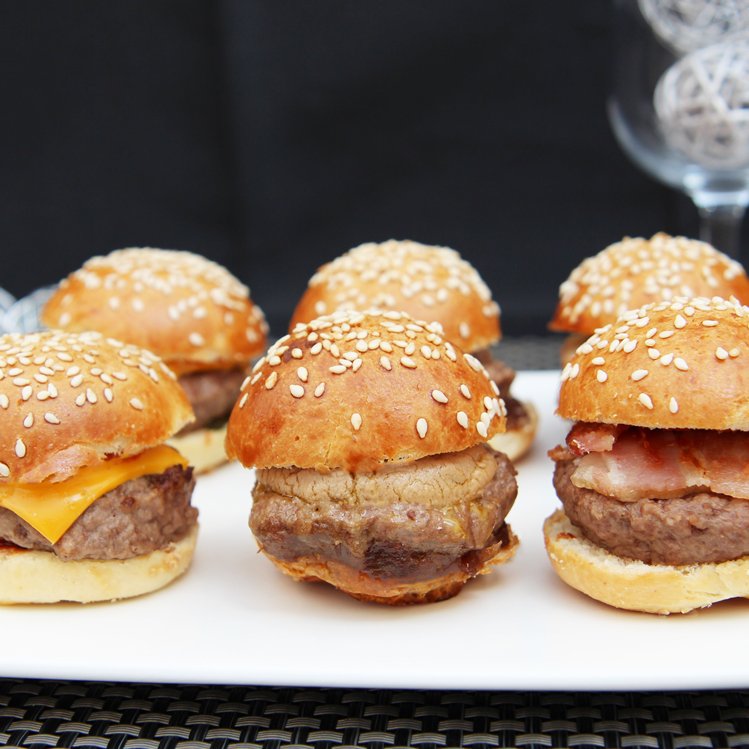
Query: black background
272,135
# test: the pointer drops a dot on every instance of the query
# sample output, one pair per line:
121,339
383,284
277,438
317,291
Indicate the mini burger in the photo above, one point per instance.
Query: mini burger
636,271
653,475
93,505
368,431
188,310
428,283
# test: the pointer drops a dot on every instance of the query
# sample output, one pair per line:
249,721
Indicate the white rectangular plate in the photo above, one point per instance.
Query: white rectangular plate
234,619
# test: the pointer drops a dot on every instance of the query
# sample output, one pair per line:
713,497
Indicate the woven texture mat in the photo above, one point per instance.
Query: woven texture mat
151,716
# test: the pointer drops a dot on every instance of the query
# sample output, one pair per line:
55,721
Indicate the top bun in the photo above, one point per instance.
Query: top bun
355,390
189,310
636,271
69,401
429,283
681,364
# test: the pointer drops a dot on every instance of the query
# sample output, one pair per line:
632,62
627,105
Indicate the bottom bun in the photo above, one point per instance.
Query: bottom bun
637,586
363,587
42,577
203,448
515,443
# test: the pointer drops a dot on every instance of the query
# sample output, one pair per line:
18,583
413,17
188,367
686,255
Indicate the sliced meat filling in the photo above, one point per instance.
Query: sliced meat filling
411,535
135,518
212,394
700,526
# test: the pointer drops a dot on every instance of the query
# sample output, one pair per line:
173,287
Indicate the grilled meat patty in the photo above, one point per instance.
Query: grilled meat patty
211,394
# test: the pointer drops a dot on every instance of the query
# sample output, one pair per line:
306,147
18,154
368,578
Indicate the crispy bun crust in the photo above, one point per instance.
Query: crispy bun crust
70,400
676,365
367,588
636,271
635,585
515,443
189,310
429,283
302,406
41,577
204,448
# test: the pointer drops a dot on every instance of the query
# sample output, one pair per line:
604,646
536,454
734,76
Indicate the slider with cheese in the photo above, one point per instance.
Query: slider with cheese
93,505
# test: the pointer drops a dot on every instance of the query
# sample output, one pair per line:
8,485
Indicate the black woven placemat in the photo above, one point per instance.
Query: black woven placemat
152,716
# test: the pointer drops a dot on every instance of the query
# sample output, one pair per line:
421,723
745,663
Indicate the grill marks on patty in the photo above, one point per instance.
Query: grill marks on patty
137,517
211,394
696,528
409,539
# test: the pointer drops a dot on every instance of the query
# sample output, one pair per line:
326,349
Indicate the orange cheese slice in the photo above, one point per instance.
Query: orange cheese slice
51,508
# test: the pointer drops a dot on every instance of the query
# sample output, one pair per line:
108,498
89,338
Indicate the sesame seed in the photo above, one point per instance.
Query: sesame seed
296,390
28,421
408,362
4,470
319,390
673,406
654,354
270,381
666,359
26,393
422,427
108,395
4,402
196,339
709,323
338,369
361,346
646,400
357,364
734,352
302,374
666,333
439,396
639,374
80,399
20,448
482,430
91,396
679,363
629,346
297,353
598,361
473,362
680,321
50,418
721,354
316,349
136,403
465,391
601,376
76,381
463,419
243,400
356,421
385,363
274,361
464,330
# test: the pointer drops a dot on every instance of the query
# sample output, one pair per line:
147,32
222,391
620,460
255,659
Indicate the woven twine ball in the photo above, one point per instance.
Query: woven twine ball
687,25
702,104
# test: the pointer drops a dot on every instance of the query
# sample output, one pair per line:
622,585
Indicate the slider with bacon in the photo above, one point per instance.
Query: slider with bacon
654,474
93,505
637,271
189,311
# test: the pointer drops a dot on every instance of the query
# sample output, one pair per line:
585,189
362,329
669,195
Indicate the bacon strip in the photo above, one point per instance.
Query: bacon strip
587,438
663,463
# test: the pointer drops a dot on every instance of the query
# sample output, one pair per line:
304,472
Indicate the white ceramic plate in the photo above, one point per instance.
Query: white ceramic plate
234,619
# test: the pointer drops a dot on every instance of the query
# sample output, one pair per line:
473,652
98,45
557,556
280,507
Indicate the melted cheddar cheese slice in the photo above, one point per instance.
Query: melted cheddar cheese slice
52,507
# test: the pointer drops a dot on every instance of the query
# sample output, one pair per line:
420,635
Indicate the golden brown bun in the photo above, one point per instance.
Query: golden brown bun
189,310
203,449
69,400
636,271
429,283
515,443
635,585
41,577
677,364
359,585
343,392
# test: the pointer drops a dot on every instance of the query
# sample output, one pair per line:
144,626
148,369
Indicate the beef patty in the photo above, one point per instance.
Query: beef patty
212,394
700,527
404,538
135,518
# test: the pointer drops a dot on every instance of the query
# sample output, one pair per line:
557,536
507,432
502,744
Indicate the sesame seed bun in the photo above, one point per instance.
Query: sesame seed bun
358,390
189,310
636,271
429,283
680,364
516,443
72,400
41,577
637,586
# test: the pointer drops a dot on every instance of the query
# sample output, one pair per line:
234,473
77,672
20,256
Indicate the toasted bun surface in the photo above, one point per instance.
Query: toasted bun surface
71,400
41,577
386,591
429,283
189,310
356,390
677,364
636,271
634,585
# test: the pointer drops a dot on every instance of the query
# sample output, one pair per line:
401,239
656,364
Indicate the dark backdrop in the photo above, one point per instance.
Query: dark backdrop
272,135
